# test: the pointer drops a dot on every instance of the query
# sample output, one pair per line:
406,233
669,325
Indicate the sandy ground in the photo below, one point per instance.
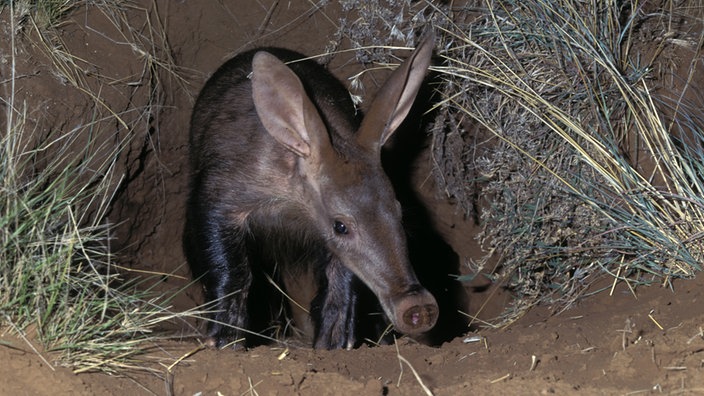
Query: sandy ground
614,345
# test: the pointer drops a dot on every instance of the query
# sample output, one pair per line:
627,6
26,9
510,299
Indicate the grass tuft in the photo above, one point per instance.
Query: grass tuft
45,13
60,284
588,173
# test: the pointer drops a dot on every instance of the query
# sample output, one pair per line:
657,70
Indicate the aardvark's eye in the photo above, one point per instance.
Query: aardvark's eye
340,228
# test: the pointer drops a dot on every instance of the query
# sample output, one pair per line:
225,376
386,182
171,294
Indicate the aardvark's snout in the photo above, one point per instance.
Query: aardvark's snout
415,312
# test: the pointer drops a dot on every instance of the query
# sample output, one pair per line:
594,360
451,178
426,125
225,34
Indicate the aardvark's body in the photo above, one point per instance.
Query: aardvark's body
285,180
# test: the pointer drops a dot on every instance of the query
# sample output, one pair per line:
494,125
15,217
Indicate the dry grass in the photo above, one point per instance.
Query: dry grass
59,279
587,173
